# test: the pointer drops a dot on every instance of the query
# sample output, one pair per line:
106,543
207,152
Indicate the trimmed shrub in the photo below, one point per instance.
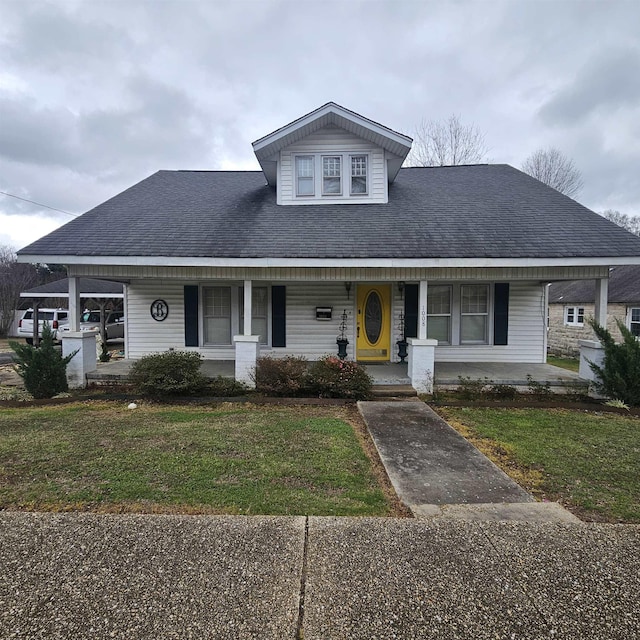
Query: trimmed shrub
281,376
331,377
222,387
619,376
43,369
172,373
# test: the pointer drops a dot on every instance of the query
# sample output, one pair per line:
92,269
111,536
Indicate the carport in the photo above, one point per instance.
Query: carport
105,294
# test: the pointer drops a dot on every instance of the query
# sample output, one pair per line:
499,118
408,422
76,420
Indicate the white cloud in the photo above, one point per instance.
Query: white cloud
96,96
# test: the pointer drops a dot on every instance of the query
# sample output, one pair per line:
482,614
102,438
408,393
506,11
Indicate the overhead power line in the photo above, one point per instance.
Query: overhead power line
74,215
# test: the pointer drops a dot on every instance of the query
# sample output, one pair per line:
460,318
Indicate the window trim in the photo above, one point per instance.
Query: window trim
442,315
486,314
297,177
634,322
203,316
340,158
365,193
319,193
237,300
575,312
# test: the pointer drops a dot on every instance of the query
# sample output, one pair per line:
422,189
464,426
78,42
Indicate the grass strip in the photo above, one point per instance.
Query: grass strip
588,461
100,456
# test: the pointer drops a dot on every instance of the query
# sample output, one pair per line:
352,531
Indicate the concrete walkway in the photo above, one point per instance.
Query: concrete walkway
431,465
136,577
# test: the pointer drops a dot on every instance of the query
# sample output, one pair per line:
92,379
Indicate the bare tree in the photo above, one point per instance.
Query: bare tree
553,168
15,277
630,223
448,142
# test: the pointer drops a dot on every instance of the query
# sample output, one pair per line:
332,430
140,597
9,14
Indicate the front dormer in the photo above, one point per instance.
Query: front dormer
332,155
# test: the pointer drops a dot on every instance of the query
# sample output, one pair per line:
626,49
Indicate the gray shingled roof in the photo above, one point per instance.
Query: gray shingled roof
624,288
465,211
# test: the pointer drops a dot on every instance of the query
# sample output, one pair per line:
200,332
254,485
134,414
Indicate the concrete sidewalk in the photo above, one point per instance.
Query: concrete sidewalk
144,576
439,474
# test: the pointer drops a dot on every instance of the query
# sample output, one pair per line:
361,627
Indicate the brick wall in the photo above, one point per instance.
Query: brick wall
563,340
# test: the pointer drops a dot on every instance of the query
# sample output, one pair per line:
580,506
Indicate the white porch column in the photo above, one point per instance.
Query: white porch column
590,351
247,346
84,361
602,298
247,353
422,310
74,304
420,363
248,310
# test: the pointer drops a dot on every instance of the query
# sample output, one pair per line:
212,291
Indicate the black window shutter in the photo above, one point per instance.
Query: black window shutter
279,316
191,338
410,310
501,313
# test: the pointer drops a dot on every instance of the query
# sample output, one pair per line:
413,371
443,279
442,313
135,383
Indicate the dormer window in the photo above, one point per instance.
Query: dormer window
331,175
359,175
305,175
319,176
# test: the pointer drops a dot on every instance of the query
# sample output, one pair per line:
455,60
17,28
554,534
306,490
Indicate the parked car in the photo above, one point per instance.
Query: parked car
114,323
57,318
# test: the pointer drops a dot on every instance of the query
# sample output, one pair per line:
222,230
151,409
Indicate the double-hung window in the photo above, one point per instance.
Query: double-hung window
634,321
331,175
439,313
574,316
359,175
305,179
217,315
474,313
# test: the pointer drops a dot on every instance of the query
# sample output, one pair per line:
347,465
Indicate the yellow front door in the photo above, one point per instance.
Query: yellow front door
373,328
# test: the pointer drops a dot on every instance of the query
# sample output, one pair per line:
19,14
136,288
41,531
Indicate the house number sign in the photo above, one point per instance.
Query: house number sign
159,310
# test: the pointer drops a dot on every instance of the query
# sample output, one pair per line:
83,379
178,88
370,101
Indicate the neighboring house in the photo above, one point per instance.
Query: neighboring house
233,264
572,303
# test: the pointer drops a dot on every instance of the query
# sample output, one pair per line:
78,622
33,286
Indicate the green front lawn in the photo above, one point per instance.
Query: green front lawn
233,459
588,461
572,364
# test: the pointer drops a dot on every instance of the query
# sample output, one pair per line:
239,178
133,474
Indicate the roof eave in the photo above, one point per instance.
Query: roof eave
369,262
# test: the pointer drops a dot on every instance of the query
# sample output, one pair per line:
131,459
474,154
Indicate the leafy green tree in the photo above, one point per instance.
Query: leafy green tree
42,368
619,375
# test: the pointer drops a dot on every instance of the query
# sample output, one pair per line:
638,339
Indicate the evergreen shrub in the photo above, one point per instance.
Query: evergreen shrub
42,368
619,376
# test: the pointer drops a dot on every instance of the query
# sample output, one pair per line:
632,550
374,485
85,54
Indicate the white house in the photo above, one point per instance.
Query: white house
234,264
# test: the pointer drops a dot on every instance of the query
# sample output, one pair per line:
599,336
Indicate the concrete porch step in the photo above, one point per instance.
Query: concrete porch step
393,391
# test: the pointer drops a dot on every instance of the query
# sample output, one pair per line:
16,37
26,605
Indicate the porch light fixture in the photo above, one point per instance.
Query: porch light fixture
401,287
347,286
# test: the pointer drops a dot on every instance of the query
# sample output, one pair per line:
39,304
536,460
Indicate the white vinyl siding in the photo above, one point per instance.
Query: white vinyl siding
527,331
311,338
333,141
144,334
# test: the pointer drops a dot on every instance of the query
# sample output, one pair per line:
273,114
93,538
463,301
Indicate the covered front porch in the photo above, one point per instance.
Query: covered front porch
447,374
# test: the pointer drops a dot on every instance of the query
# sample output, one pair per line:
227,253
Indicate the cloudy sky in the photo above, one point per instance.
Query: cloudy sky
95,95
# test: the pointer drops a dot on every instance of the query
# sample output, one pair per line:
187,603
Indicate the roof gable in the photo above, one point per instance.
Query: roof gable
267,148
